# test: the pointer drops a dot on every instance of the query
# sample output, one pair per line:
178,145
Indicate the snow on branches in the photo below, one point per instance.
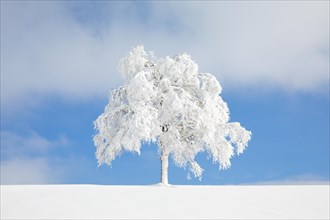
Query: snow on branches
169,102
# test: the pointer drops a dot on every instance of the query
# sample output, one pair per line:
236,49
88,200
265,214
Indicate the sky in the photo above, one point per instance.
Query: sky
59,62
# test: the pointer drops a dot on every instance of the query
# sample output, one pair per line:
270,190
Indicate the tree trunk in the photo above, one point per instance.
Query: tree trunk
164,174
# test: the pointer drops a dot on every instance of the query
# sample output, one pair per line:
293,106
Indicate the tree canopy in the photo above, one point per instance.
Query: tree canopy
168,102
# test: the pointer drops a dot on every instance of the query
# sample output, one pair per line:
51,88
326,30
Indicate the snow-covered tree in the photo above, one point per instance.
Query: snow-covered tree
168,102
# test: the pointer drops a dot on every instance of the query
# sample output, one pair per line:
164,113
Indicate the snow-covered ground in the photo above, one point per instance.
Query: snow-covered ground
152,202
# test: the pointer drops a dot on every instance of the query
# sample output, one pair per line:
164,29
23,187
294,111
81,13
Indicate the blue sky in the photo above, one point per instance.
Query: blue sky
59,62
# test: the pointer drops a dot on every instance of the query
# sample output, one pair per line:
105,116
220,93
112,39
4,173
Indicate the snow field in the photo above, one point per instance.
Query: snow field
173,202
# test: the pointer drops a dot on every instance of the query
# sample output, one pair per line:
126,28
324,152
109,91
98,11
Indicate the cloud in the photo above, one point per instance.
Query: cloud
282,44
26,171
44,51
303,179
27,159
72,49
31,144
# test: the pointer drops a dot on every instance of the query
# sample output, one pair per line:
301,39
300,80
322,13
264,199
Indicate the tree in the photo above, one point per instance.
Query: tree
166,101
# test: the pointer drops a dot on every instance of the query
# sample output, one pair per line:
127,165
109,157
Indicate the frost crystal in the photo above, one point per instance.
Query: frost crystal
167,101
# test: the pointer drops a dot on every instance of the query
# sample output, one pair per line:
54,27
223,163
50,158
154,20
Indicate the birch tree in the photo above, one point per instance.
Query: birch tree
168,102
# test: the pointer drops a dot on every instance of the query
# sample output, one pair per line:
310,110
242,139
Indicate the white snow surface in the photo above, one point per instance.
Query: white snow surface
159,202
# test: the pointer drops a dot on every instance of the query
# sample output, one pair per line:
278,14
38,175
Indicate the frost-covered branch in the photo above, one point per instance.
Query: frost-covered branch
169,102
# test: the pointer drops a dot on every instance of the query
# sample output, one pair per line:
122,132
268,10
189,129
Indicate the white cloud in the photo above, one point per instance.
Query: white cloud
44,51
26,160
46,48
26,171
303,179
14,145
283,44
